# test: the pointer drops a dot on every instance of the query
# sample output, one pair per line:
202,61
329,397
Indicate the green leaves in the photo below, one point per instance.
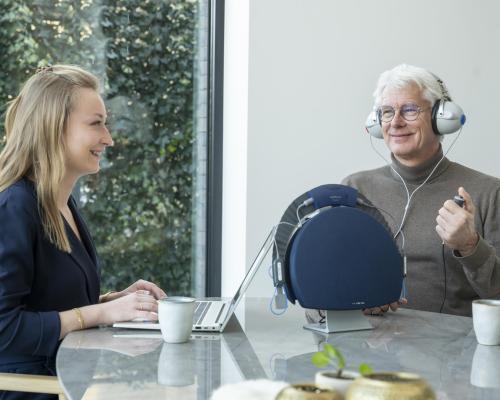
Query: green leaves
330,355
320,359
334,354
365,369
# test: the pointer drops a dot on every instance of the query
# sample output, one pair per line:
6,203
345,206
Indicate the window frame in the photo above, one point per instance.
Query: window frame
214,148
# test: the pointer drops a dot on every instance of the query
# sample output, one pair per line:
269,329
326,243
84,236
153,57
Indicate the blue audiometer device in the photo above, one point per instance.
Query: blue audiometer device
340,255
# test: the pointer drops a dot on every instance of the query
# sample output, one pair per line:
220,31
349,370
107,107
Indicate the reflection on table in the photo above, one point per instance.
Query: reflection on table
109,363
485,370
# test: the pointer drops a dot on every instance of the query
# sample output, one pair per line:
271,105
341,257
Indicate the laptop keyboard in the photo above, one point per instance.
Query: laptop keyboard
200,311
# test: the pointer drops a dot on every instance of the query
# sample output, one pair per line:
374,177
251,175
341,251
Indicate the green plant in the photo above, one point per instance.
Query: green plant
330,355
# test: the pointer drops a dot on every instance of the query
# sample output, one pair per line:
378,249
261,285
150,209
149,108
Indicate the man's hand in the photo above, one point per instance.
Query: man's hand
455,225
383,309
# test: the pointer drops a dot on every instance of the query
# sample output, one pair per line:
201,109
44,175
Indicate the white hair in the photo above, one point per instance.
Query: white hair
403,75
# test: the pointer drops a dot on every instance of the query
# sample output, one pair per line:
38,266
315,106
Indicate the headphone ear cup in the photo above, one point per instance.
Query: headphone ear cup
373,125
447,117
435,108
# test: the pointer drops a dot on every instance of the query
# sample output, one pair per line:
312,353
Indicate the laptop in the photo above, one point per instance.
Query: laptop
209,315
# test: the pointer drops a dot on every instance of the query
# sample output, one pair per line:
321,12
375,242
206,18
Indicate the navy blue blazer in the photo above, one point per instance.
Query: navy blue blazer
37,280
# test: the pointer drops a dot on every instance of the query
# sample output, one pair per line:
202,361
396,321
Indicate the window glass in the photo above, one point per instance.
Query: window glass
146,207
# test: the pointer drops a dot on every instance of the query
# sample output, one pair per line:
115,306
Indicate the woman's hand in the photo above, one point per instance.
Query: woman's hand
137,301
139,304
143,285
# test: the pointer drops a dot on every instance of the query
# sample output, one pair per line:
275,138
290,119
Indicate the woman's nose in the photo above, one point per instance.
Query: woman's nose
108,140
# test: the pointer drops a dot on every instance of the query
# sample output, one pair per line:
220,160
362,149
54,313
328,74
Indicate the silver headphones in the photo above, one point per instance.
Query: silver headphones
446,116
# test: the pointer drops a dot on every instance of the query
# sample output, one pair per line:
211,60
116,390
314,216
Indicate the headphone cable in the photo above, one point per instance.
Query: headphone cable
407,206
274,230
445,280
408,195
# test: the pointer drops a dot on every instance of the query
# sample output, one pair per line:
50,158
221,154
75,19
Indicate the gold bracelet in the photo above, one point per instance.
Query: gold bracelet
104,296
79,317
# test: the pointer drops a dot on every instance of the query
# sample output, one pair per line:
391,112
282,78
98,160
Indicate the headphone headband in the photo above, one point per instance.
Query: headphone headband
446,116
445,95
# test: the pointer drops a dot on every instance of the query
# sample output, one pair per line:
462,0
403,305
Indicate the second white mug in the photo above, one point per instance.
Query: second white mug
486,320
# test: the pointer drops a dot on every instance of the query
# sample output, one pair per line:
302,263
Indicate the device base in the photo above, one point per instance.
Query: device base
341,321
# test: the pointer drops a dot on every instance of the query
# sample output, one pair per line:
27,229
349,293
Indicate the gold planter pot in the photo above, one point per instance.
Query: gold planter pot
390,386
307,391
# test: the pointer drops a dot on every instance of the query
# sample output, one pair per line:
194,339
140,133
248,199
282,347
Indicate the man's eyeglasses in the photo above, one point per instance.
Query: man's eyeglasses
409,112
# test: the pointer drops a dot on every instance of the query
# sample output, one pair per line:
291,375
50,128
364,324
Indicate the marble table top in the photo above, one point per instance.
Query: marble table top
109,363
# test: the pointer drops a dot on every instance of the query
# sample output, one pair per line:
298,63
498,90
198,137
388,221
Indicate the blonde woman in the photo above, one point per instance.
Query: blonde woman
49,272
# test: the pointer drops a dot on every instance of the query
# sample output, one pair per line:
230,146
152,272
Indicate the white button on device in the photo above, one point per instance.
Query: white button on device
280,277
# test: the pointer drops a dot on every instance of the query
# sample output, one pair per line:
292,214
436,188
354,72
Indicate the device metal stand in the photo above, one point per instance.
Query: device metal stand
341,321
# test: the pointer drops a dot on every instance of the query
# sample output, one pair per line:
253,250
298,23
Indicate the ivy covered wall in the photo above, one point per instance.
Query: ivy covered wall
139,207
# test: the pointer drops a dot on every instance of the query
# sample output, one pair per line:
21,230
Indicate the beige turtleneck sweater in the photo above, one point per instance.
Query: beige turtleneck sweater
468,278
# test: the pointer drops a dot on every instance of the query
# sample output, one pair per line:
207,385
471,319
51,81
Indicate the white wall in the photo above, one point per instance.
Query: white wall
235,124
312,68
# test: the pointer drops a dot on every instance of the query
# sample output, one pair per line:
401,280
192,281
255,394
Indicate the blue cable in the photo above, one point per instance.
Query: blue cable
403,289
271,304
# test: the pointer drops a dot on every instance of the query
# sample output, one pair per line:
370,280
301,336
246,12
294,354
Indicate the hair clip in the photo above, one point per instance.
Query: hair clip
50,69
46,68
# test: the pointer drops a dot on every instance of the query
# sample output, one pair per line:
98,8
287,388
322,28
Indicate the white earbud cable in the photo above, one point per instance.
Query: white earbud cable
408,195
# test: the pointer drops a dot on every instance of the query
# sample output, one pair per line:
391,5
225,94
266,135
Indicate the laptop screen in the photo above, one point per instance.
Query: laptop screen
249,276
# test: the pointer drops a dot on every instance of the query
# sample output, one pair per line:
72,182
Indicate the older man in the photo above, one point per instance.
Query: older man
451,251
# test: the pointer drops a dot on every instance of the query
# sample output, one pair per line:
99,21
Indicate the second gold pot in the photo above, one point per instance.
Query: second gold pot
390,386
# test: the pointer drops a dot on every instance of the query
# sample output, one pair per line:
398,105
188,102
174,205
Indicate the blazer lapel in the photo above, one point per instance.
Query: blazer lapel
84,234
84,254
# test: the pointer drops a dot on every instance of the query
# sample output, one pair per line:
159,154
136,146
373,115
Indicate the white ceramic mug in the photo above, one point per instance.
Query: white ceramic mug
175,315
486,320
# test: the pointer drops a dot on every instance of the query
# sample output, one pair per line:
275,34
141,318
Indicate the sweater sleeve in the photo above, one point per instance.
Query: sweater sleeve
22,332
482,267
346,181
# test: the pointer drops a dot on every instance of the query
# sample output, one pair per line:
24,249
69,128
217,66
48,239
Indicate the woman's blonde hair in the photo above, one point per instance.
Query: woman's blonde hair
35,123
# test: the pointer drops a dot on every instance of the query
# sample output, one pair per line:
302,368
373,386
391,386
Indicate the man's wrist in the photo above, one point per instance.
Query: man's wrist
470,248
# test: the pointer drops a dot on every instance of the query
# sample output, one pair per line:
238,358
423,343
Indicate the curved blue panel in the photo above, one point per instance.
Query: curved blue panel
343,259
